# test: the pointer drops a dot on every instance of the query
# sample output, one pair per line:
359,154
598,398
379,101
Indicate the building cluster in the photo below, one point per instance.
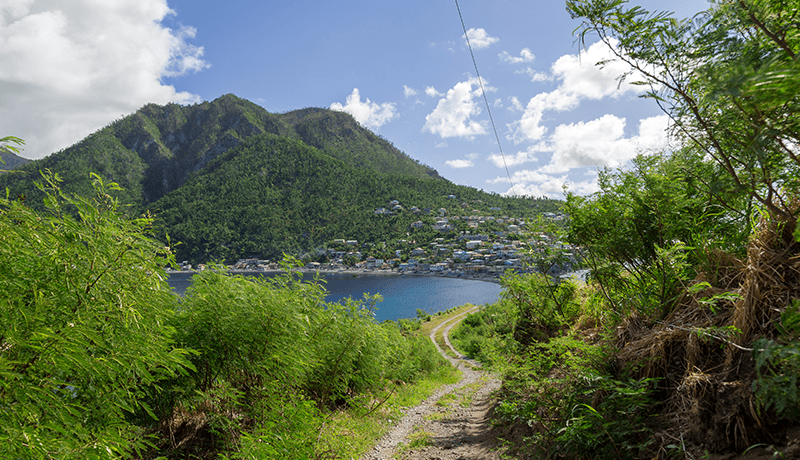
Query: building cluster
472,244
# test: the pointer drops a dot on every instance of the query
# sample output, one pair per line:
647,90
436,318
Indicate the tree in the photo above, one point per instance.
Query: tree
83,325
729,80
5,144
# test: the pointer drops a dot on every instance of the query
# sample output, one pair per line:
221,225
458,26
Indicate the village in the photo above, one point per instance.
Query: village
478,245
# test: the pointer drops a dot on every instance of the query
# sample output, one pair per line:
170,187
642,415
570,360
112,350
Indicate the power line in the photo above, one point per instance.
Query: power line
485,100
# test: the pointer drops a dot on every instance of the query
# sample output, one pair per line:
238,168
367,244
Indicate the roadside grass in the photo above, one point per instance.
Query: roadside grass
417,439
435,321
446,400
469,392
352,432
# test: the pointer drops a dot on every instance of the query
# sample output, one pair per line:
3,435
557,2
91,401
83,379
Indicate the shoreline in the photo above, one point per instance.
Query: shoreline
354,273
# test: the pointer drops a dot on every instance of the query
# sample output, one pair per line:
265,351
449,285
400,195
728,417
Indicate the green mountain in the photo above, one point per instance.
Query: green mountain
11,161
227,179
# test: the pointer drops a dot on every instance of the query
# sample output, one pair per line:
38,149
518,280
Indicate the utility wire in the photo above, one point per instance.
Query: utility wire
485,100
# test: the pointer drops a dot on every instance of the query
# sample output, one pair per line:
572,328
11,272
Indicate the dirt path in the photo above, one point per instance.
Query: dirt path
452,424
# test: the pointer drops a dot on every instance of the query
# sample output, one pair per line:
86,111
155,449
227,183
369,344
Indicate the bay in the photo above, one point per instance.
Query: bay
402,295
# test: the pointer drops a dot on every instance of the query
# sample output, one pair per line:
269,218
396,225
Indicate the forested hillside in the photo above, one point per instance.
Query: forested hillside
227,179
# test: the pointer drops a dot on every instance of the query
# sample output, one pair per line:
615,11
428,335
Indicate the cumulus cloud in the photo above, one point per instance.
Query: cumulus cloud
533,183
452,116
368,113
601,142
430,91
70,68
479,38
579,78
528,127
521,157
580,75
516,105
524,56
535,75
408,92
459,163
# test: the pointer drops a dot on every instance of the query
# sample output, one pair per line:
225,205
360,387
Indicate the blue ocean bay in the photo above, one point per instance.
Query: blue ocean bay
402,295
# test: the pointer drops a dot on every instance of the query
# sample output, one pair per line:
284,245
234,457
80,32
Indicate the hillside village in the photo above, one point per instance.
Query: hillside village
462,241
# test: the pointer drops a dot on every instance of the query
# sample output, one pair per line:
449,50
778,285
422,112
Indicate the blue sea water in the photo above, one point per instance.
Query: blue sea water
402,295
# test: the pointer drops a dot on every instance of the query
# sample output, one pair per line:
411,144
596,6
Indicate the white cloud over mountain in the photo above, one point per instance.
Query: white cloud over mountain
69,68
452,116
368,113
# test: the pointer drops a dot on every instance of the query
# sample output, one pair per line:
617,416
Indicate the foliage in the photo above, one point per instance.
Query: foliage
273,195
613,428
544,306
485,334
85,325
229,180
728,80
778,366
272,357
6,144
563,392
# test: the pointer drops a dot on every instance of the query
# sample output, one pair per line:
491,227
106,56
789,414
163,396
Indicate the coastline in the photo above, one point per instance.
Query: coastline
354,272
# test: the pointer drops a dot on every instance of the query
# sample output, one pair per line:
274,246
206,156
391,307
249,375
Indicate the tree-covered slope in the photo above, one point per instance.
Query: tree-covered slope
228,179
273,194
153,151
11,161
340,136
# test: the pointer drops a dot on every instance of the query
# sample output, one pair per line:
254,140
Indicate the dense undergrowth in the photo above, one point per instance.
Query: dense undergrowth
99,359
684,341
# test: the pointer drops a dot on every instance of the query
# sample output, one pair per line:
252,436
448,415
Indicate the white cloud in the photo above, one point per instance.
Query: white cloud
533,183
581,76
535,75
516,104
600,142
479,38
408,92
472,156
528,127
368,113
524,56
430,91
459,163
521,157
70,69
452,116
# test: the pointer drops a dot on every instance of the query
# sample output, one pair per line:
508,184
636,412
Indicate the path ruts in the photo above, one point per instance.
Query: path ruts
452,423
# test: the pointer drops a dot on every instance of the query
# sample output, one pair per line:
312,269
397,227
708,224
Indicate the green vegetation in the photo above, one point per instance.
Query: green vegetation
99,359
229,180
683,340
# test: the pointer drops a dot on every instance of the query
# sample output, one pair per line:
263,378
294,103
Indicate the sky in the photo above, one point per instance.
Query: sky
402,69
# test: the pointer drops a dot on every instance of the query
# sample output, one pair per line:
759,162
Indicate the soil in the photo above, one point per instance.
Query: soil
453,423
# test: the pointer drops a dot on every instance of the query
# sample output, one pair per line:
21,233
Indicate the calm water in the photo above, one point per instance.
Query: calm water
402,295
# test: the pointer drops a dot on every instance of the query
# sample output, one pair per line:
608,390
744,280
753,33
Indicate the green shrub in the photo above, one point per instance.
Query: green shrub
778,366
84,326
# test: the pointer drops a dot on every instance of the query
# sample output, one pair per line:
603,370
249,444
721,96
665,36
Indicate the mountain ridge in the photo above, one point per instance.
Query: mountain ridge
229,179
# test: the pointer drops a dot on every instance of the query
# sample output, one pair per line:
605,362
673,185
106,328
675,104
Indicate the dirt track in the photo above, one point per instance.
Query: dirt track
451,424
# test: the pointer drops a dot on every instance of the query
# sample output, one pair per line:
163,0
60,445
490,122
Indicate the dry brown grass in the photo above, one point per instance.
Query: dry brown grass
706,380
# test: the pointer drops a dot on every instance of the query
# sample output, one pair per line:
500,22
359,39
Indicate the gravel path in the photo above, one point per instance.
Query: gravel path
452,424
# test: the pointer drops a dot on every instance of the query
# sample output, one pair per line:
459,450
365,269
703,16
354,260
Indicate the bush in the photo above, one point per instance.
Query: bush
84,317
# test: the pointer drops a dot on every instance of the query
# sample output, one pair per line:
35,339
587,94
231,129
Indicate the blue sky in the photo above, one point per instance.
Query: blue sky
68,68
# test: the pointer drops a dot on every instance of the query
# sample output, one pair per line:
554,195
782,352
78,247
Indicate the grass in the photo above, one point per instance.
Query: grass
352,432
428,326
